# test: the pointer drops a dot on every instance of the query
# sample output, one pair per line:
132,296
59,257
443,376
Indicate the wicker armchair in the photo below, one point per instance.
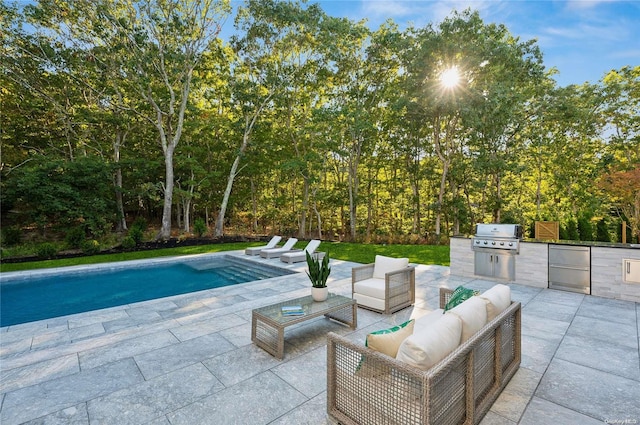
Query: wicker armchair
396,291
368,387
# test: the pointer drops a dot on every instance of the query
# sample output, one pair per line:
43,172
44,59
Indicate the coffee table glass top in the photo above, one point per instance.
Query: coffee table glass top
309,306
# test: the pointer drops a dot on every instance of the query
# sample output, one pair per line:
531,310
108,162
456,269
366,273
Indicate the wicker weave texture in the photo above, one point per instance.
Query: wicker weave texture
367,387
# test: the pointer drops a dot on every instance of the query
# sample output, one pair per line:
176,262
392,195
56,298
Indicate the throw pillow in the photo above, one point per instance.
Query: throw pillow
459,295
388,341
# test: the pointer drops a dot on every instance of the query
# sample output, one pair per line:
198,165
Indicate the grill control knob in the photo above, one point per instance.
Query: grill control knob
485,242
493,242
501,243
510,243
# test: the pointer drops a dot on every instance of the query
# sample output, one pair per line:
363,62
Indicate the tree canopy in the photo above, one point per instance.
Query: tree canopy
301,123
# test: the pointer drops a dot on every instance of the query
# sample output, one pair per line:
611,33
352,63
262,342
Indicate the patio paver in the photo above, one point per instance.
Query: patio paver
189,359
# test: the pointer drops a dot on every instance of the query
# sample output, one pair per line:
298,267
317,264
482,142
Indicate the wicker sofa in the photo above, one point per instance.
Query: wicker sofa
367,387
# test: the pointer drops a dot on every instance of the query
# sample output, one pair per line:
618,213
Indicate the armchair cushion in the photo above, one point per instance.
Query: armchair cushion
371,288
430,344
388,341
384,265
472,314
499,297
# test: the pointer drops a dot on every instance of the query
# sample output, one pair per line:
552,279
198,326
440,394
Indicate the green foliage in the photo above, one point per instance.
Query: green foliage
11,235
136,233
338,129
141,223
128,243
602,231
199,227
319,270
62,192
91,247
75,237
572,230
46,250
585,228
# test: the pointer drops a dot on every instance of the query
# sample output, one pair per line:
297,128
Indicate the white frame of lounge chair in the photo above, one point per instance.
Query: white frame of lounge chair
295,257
276,252
255,250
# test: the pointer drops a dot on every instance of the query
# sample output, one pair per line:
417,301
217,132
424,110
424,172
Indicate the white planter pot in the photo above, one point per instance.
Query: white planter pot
319,294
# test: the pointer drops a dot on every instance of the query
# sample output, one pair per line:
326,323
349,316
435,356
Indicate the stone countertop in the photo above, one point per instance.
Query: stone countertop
576,243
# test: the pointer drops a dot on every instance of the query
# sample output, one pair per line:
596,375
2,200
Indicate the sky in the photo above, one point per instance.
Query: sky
582,39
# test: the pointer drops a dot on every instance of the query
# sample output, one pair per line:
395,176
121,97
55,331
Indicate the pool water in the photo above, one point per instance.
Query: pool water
31,299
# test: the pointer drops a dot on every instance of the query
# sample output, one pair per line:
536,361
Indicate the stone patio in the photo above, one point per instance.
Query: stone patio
189,359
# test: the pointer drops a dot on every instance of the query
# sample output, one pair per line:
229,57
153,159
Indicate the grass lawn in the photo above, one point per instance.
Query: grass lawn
359,253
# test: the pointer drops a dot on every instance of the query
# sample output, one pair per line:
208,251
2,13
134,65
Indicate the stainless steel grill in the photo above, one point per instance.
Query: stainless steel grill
496,247
497,236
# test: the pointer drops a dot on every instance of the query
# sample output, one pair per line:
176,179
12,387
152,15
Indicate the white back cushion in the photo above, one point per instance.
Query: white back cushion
473,314
499,298
384,265
430,344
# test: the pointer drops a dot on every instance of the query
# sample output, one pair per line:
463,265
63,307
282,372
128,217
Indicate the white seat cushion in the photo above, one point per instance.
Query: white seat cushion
371,287
430,344
473,314
384,265
365,300
499,297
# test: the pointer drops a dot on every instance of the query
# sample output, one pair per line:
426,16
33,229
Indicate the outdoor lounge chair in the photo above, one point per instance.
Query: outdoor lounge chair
386,286
298,256
276,252
256,249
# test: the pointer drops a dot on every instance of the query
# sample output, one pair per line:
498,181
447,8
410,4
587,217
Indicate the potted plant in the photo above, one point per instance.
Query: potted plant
318,274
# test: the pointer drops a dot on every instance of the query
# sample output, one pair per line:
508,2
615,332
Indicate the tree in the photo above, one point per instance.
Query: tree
151,47
623,187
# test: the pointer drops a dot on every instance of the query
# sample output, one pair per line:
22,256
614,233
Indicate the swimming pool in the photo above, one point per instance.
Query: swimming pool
44,296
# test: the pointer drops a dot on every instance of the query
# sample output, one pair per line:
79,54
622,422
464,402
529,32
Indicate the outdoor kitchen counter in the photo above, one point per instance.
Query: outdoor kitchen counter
532,265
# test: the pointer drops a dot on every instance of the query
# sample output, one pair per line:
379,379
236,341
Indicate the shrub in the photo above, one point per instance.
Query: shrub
75,237
136,233
91,247
11,235
572,230
199,227
46,250
140,222
602,231
585,229
128,243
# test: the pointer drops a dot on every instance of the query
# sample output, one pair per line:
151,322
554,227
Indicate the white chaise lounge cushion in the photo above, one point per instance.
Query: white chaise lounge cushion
384,265
430,344
499,297
473,315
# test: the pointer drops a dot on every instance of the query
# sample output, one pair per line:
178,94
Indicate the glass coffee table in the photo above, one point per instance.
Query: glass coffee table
268,323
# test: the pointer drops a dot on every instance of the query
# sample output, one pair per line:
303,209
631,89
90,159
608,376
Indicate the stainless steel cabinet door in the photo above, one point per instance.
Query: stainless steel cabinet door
483,264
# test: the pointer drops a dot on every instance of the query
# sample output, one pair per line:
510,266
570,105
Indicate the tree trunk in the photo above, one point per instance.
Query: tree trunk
254,207
219,230
305,206
165,230
121,226
443,185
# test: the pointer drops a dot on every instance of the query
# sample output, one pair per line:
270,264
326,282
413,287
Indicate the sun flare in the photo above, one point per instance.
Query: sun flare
450,77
